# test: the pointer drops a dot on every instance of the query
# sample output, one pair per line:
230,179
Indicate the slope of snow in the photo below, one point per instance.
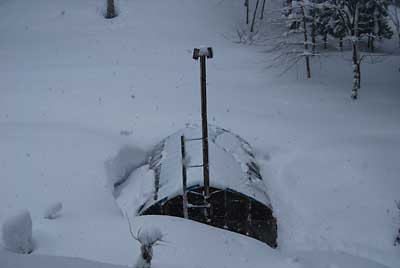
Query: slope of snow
227,250
76,88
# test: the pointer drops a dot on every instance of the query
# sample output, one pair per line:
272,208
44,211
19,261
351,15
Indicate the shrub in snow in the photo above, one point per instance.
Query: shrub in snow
17,233
147,238
121,166
53,211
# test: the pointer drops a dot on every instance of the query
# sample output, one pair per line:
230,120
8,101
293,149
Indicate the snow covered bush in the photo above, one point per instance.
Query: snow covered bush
147,238
53,211
17,233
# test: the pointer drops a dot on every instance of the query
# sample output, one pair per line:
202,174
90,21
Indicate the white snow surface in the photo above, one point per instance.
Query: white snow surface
77,88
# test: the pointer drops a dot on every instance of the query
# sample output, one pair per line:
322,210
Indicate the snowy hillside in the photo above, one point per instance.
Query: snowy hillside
76,88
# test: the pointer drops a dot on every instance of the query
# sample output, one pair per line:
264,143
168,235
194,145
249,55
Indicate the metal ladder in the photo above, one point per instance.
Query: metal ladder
206,205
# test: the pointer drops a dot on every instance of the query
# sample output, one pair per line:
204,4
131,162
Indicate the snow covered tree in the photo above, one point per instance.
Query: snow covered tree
348,13
353,19
320,23
391,7
294,45
17,233
374,17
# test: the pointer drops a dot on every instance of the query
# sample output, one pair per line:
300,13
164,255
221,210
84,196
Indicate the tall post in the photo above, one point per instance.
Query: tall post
204,127
204,53
184,180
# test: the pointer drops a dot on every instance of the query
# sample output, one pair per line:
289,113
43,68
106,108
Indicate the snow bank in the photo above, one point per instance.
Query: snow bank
11,260
17,232
119,167
137,190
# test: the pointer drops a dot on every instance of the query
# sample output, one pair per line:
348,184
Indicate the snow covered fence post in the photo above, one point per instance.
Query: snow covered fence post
203,53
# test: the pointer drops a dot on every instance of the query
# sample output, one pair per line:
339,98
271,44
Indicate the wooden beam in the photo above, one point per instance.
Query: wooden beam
184,180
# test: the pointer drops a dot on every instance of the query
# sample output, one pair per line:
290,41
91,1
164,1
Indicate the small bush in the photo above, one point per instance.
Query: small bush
17,233
147,238
53,211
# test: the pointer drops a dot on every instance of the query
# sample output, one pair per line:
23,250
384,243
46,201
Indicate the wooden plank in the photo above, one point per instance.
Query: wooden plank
184,180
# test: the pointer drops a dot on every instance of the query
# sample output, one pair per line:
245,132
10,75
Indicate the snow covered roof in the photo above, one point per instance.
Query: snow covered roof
232,165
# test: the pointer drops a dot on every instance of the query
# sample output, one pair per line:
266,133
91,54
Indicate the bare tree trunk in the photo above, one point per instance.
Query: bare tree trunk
254,17
313,34
110,9
289,4
262,10
306,42
398,36
246,4
355,58
372,45
356,72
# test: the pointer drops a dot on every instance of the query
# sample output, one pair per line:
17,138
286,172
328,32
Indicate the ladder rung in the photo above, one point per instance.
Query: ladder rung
195,139
194,166
195,193
199,206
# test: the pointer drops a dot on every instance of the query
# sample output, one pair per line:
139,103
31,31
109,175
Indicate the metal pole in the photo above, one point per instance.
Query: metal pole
184,180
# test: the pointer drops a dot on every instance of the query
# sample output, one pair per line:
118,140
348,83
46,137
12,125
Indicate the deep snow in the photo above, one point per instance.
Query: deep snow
77,88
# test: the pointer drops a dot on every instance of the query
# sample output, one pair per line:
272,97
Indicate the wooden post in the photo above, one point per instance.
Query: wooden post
202,53
184,180
204,125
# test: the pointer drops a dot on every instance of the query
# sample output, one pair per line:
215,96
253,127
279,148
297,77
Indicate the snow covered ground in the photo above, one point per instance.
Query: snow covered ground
75,88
